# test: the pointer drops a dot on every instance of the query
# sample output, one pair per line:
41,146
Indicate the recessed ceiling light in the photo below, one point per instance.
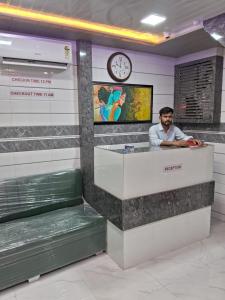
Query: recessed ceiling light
153,19
8,43
216,36
82,53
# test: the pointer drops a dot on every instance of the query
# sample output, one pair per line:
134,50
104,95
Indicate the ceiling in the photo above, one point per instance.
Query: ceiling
181,15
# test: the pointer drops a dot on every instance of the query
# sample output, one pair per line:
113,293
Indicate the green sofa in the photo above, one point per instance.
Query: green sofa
45,225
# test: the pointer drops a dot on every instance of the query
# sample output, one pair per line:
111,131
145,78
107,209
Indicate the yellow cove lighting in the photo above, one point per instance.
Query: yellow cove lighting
119,32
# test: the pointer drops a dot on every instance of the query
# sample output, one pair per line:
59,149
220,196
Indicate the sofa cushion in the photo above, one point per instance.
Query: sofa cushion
27,196
41,244
36,230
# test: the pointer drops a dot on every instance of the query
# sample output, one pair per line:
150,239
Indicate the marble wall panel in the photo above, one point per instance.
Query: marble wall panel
37,131
84,68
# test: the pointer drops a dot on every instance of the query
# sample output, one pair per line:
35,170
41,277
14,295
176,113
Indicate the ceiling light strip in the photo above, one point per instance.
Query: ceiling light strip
121,32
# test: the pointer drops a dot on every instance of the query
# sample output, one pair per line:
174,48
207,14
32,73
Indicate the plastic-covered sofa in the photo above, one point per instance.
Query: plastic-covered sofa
45,225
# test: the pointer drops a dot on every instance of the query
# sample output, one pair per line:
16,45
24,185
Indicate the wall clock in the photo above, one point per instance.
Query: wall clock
119,66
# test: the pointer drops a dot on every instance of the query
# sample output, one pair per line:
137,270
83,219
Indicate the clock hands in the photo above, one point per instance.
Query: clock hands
119,66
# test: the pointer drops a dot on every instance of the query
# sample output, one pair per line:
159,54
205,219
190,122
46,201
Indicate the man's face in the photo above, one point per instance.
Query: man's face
166,119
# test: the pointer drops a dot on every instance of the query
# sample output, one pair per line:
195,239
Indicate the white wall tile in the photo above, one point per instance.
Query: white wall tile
4,92
7,172
74,52
45,167
160,101
64,119
31,169
220,158
4,78
219,168
153,64
219,203
36,119
222,118
223,82
68,106
200,55
30,119
6,120
141,62
219,163
27,157
27,77
30,106
220,188
64,79
5,106
219,178
27,93
223,97
6,159
218,147
66,153
64,95
39,78
161,84
155,118
65,164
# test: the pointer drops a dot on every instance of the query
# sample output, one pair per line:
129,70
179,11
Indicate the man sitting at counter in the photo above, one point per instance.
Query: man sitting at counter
166,134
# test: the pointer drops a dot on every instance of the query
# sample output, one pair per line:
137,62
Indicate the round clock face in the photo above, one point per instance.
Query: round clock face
119,66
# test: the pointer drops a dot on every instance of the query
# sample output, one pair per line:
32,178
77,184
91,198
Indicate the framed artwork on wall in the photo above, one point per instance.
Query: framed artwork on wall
116,103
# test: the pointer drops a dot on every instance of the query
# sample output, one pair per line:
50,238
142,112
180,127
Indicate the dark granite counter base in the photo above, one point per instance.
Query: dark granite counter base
131,213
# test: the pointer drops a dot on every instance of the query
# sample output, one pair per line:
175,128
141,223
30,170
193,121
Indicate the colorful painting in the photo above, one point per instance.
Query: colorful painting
122,103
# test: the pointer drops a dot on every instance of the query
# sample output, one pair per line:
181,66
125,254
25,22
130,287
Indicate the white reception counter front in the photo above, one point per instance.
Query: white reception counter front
159,192
150,170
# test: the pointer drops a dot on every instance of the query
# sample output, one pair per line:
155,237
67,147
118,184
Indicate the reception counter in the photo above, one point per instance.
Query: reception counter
147,170
156,199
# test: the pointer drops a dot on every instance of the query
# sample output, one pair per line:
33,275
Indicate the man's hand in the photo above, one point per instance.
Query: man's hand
180,143
196,142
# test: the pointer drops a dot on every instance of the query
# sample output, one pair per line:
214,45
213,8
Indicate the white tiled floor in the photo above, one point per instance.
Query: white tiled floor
196,272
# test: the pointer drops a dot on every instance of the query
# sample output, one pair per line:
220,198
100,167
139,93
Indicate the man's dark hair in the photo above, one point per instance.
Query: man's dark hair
165,110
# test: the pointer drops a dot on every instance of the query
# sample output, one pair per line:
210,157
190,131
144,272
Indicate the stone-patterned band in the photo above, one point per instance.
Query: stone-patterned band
130,213
41,144
121,139
34,138
211,137
121,133
38,131
203,127
121,128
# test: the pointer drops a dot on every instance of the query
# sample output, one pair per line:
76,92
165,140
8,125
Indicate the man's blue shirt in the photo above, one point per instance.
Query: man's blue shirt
157,134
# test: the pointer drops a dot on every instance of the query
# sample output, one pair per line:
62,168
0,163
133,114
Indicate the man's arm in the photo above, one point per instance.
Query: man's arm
180,136
180,143
153,137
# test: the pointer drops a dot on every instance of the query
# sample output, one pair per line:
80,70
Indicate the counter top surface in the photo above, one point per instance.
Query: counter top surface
131,150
